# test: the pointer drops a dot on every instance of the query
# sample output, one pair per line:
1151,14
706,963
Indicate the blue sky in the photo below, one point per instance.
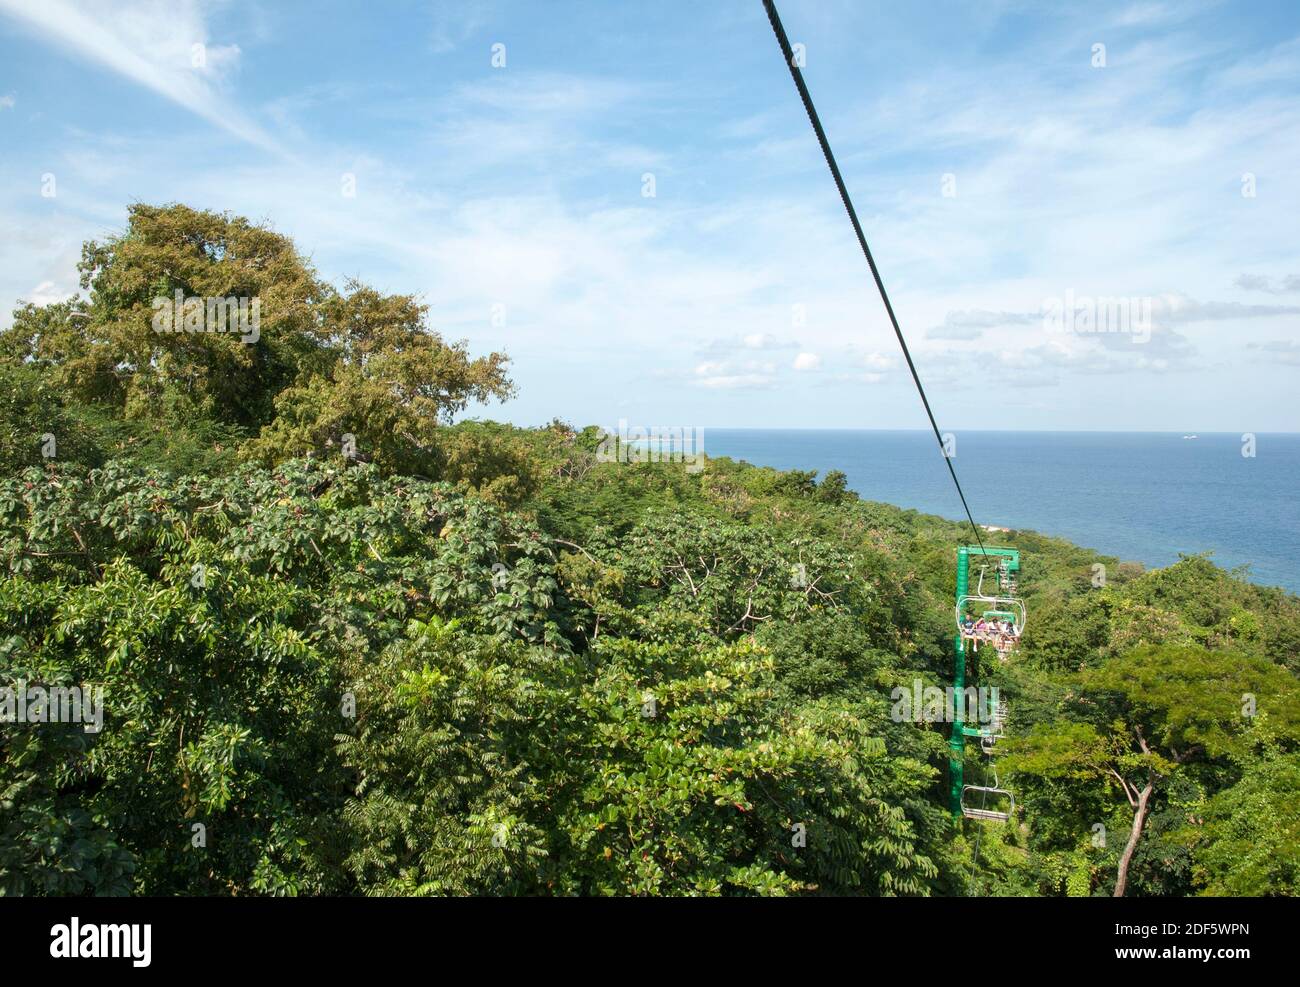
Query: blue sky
512,199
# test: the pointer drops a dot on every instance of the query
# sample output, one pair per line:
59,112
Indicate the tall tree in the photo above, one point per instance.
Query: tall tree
116,350
1142,718
304,366
389,385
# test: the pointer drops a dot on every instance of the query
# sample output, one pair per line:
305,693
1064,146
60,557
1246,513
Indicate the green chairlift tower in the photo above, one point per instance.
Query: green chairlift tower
1002,603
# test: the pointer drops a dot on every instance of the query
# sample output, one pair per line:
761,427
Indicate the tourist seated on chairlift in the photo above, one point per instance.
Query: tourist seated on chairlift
968,627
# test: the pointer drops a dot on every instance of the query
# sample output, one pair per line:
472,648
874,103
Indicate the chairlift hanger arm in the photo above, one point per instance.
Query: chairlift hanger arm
1011,555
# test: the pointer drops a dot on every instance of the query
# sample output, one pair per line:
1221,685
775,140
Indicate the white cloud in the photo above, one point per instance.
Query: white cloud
454,23
1286,351
728,346
46,293
807,361
150,42
734,374
7,101
878,361
1180,309
735,381
860,378
766,341
1262,282
971,323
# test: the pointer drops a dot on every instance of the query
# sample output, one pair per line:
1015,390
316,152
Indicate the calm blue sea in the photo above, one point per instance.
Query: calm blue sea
1145,496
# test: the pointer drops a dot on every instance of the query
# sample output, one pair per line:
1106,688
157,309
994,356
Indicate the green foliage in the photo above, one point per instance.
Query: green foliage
387,385
113,355
324,366
441,757
1170,720
35,420
348,645
232,620
1250,845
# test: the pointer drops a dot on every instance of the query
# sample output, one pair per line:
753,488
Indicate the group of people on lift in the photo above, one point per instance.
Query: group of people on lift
1002,634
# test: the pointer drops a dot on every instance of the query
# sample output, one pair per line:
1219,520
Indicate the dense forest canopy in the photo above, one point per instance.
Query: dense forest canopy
348,645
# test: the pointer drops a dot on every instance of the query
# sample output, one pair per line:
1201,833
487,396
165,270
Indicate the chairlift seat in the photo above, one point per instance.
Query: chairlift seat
972,813
995,815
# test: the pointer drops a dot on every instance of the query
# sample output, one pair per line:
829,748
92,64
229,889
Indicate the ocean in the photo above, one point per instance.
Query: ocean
1141,496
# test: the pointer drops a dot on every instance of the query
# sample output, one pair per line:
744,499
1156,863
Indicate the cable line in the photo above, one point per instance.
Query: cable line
786,50
779,30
